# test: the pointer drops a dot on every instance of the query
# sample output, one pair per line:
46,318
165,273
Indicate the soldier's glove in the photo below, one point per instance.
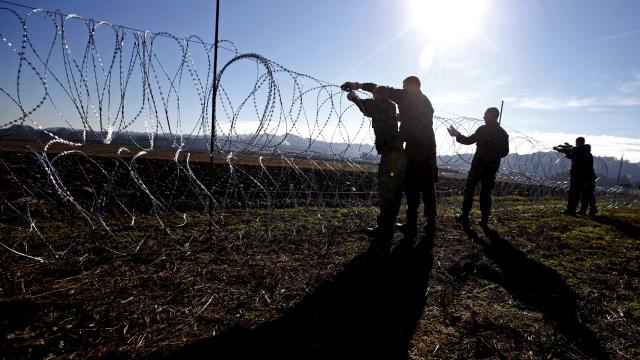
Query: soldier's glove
452,131
565,146
350,86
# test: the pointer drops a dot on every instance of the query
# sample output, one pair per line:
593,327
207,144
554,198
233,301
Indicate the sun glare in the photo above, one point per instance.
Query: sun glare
448,21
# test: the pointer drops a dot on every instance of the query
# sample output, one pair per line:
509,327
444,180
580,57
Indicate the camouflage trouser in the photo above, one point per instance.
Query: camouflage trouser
582,190
421,176
487,180
588,198
390,175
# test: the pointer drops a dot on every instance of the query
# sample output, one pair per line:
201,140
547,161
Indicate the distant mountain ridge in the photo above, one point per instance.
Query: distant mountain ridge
551,165
264,143
548,165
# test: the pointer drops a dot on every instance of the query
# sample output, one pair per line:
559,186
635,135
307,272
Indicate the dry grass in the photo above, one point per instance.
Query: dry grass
171,290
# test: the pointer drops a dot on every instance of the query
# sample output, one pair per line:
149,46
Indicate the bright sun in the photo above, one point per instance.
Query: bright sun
448,21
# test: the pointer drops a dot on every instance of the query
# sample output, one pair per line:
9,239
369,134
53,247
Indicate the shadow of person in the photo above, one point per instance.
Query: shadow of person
628,229
369,310
539,286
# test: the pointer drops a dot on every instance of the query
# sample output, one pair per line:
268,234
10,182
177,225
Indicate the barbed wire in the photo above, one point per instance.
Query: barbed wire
140,101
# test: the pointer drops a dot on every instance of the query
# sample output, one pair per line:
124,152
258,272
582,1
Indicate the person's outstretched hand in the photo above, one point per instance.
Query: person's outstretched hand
349,86
452,131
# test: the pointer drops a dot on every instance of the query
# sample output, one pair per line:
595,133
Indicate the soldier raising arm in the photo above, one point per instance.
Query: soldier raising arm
416,131
492,145
390,170
582,182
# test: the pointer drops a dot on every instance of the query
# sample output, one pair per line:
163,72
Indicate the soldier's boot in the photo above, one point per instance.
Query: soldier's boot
410,228
430,226
462,218
430,214
593,209
371,232
583,207
384,224
574,198
383,238
485,203
430,210
484,220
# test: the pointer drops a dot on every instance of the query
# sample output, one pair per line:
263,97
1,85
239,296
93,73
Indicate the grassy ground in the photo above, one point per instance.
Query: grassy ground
539,285
546,286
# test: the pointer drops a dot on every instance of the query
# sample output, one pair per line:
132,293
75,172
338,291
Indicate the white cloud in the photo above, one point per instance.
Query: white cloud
552,102
500,80
628,92
625,94
455,98
631,86
601,145
625,101
620,35
596,109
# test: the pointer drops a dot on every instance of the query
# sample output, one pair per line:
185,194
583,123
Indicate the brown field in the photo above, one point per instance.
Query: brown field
104,150
302,282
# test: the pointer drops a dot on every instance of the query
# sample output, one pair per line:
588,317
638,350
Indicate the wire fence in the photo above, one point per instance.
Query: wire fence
107,124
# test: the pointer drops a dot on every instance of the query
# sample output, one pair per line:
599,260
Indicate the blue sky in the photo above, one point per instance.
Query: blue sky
562,67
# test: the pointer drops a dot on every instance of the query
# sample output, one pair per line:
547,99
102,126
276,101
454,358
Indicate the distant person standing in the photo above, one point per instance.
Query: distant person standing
582,183
588,198
390,171
492,145
416,131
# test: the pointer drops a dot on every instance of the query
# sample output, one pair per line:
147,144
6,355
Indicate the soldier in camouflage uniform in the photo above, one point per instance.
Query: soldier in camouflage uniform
390,171
582,183
492,145
416,131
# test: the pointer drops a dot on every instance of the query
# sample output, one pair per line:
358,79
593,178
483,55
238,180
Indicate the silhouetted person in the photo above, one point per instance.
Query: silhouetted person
492,145
582,184
390,171
416,131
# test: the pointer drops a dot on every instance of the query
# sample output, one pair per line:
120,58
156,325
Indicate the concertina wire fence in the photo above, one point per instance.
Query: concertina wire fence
123,122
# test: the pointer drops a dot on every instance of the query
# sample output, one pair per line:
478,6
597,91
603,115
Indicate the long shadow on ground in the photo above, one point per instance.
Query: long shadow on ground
369,310
539,286
628,229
